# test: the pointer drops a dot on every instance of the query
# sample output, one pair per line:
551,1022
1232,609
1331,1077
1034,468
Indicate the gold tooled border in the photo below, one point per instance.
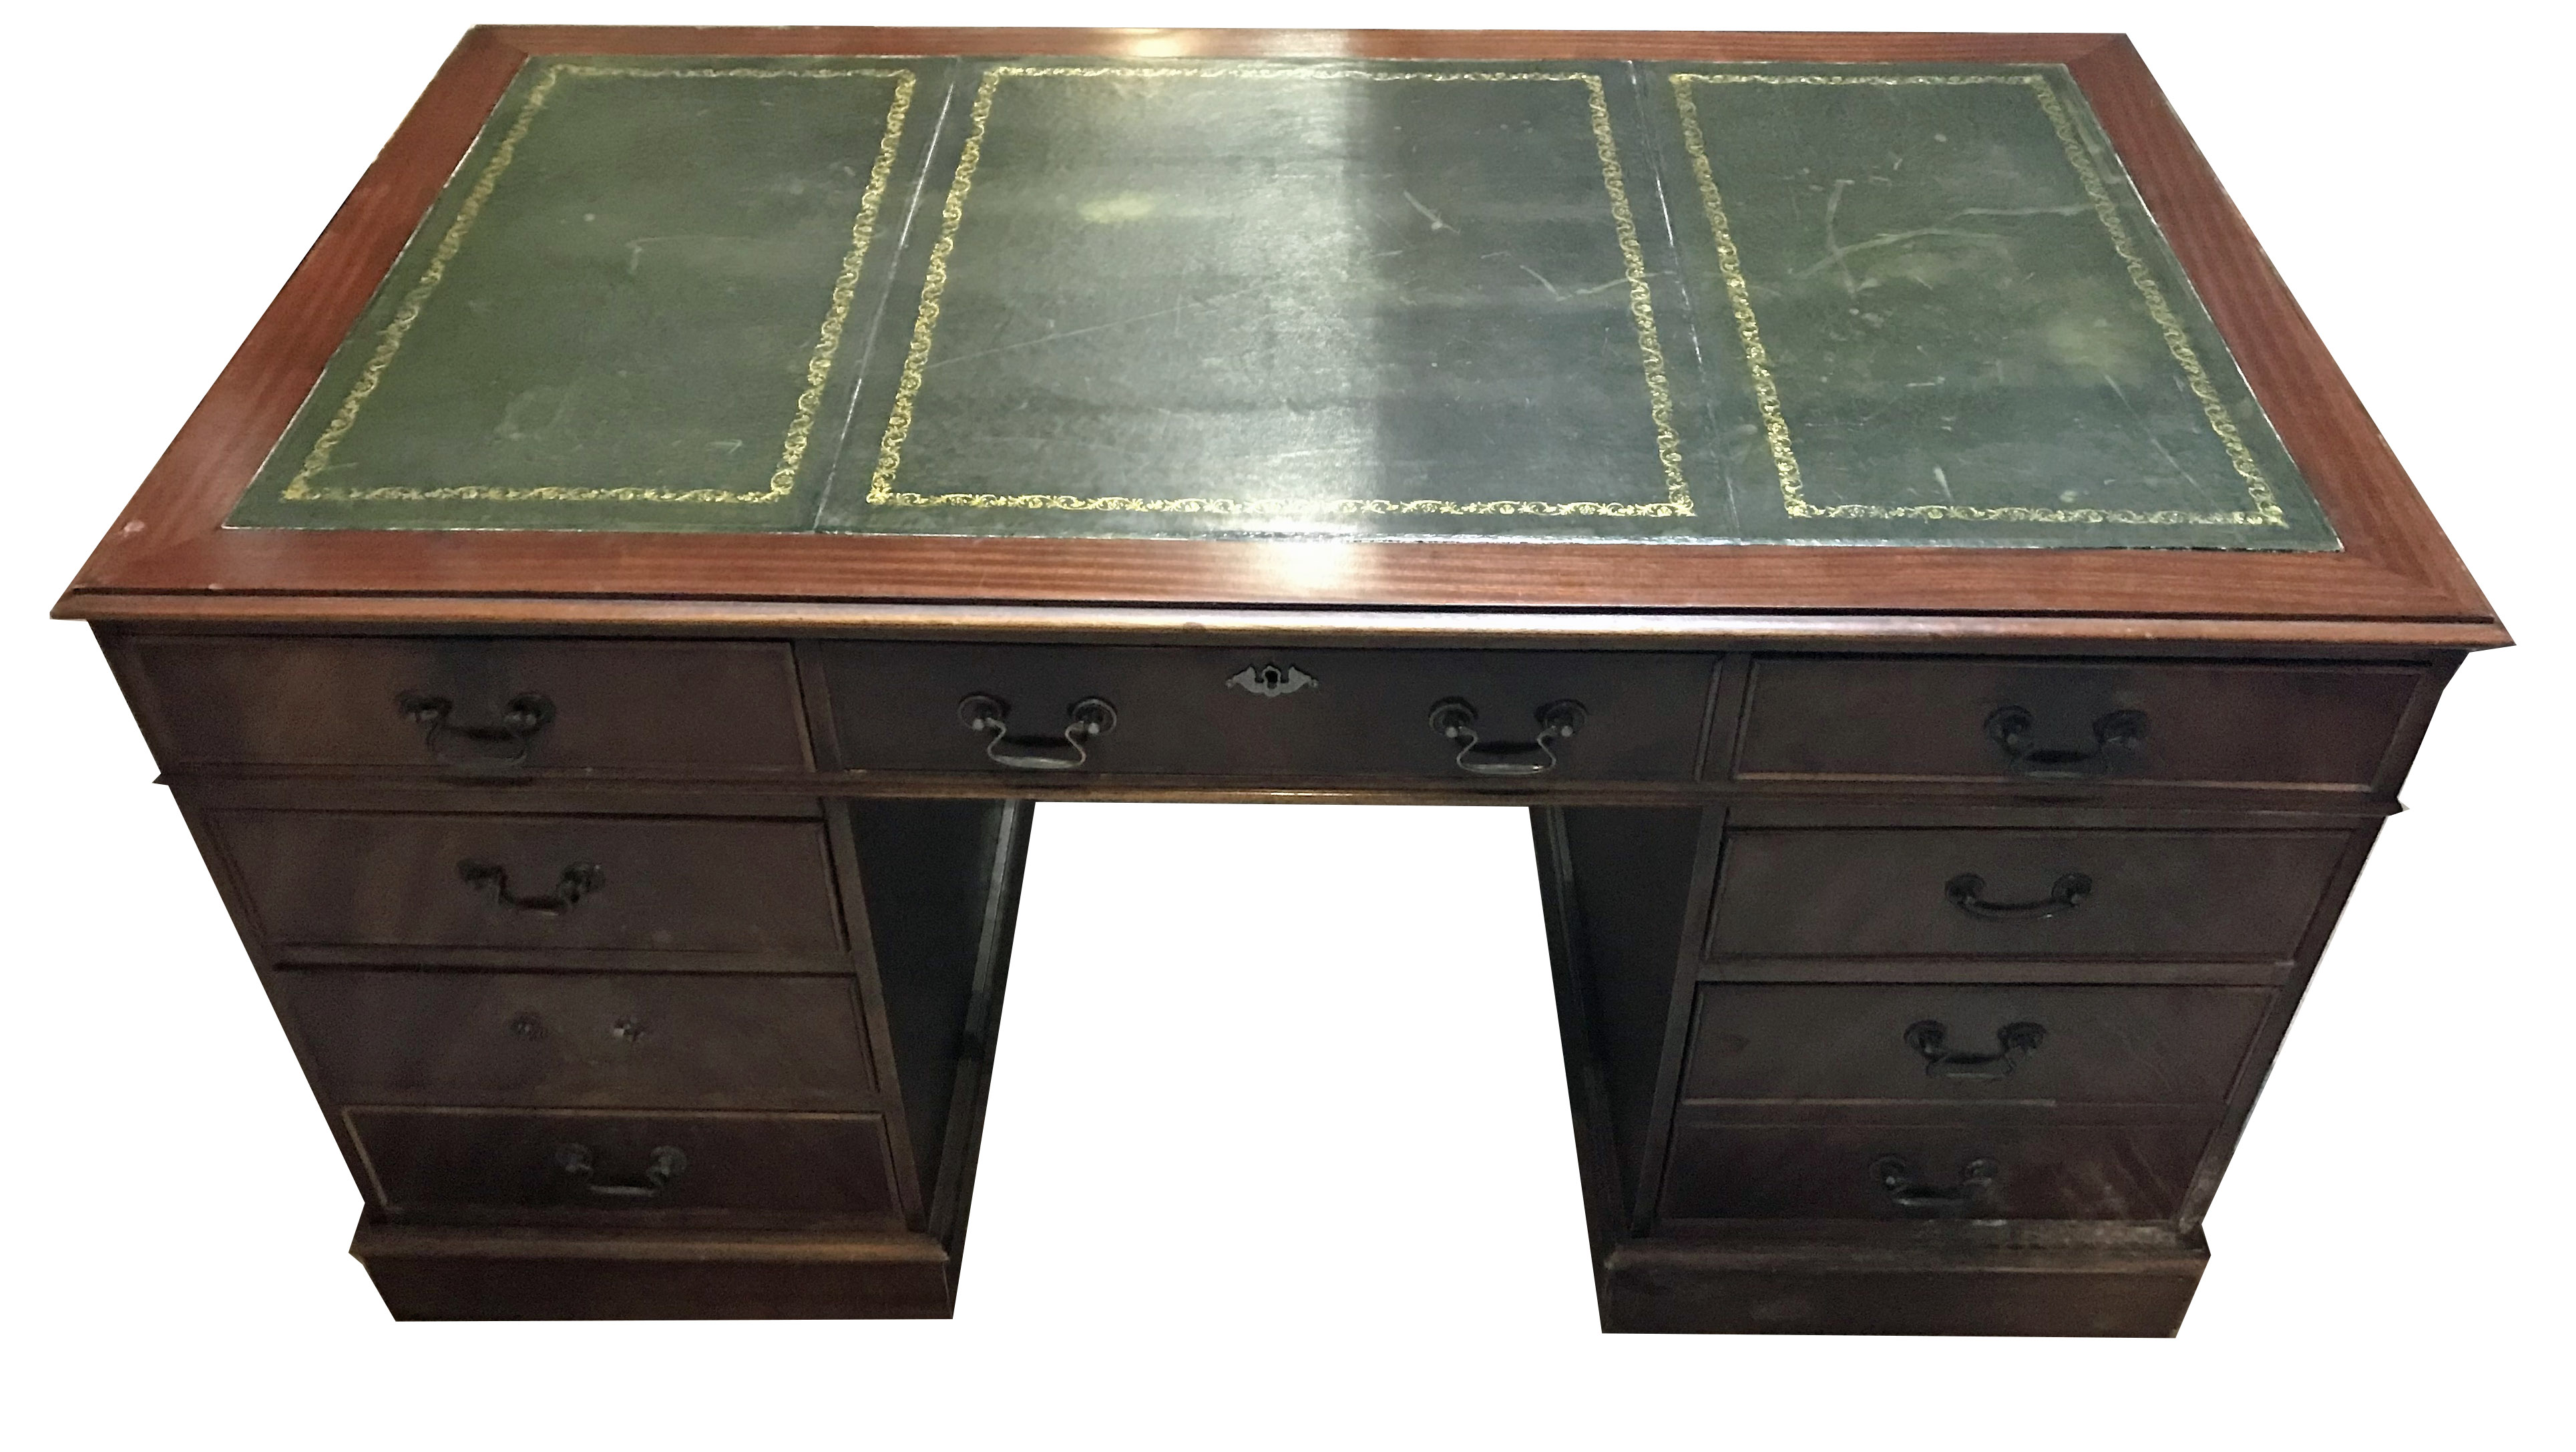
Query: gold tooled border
818,364
1677,500
2266,508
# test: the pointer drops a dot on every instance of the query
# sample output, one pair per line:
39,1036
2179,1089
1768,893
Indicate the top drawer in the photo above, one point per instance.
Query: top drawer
473,705
2003,720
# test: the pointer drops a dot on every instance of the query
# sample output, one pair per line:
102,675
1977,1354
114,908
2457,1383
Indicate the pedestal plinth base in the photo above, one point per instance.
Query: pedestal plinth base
442,1273
1908,1280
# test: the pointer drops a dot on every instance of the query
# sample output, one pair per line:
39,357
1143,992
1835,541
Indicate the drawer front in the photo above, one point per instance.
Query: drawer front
1345,713
1989,893
507,881
429,1159
476,704
1944,1043
2002,720
1915,1171
582,1040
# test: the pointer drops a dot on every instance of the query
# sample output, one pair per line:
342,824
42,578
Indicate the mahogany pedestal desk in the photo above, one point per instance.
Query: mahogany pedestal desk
1867,497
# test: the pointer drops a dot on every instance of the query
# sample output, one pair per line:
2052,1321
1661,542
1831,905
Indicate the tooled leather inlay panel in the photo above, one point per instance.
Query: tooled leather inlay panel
1344,299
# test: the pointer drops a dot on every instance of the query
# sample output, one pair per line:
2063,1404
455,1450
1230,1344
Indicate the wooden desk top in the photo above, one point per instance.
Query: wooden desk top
887,328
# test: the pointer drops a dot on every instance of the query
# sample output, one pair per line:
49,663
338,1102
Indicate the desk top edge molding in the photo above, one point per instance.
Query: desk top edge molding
1042,621
2396,580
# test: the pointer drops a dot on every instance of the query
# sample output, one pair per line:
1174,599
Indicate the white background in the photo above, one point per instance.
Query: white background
1278,1152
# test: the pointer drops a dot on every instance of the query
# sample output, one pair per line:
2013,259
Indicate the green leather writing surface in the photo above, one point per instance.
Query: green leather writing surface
1274,295
626,311
1959,323
1295,299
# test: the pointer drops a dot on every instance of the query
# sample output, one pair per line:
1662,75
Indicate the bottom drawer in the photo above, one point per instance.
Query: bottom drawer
1843,1171
436,1159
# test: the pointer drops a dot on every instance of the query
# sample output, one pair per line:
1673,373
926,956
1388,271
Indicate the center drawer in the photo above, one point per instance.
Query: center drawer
505,880
572,1040
1494,716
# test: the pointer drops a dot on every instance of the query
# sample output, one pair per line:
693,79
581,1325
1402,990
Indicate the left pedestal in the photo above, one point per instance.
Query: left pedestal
613,1009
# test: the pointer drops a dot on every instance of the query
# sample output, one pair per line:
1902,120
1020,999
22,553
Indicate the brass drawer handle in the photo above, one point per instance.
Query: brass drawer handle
578,881
666,1165
1906,1188
1085,720
522,717
2013,1042
1967,893
1557,721
2114,736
